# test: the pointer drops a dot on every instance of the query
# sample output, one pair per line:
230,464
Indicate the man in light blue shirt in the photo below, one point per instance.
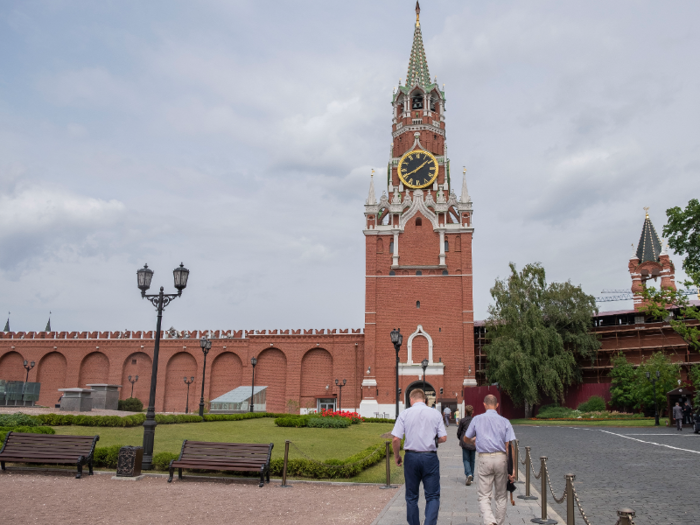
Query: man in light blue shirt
493,436
423,428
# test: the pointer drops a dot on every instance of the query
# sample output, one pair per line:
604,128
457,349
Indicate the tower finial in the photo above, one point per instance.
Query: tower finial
646,211
371,196
417,13
465,192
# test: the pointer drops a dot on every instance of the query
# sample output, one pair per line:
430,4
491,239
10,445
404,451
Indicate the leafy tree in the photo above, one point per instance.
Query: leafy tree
669,374
624,377
536,330
683,233
694,375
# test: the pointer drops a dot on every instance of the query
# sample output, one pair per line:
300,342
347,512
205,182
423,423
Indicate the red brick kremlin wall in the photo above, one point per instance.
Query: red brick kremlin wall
294,365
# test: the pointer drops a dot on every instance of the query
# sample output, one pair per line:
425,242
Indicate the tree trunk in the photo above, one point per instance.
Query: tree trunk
528,410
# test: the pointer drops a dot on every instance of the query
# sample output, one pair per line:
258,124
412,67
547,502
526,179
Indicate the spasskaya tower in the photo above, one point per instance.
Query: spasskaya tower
418,242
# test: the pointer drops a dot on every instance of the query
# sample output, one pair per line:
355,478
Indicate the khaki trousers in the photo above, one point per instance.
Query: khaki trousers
493,470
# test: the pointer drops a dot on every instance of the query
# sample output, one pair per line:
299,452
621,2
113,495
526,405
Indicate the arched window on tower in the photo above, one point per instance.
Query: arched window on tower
417,101
418,272
419,221
417,304
391,246
447,245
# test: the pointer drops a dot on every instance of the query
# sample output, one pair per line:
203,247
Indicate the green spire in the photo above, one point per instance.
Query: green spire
7,325
418,64
48,325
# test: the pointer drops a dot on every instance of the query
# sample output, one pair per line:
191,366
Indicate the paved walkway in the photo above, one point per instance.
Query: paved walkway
458,503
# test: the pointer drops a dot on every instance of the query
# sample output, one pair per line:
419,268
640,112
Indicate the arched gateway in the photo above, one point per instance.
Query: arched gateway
426,387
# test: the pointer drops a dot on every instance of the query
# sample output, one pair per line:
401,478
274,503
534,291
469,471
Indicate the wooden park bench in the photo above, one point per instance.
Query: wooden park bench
48,448
242,457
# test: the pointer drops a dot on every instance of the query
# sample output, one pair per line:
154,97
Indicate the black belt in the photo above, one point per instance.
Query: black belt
422,451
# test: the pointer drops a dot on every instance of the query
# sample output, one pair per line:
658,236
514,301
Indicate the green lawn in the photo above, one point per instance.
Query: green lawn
586,423
317,443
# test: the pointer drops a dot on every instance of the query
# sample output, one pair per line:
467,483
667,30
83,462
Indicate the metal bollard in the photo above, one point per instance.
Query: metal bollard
543,470
516,461
570,508
527,476
284,468
388,468
624,516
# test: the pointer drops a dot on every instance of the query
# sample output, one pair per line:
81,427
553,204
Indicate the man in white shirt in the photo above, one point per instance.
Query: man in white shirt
493,435
423,429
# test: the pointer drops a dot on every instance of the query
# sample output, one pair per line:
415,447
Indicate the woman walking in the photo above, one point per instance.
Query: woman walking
468,450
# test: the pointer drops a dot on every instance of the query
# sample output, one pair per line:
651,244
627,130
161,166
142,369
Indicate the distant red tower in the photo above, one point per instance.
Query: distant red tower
418,256
650,261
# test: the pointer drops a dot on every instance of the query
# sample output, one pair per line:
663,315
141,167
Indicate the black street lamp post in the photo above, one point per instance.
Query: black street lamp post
206,346
132,381
397,341
27,367
340,395
253,362
160,301
424,365
187,401
656,400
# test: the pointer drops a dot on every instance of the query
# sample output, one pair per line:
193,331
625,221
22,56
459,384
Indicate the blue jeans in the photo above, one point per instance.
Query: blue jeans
468,457
426,468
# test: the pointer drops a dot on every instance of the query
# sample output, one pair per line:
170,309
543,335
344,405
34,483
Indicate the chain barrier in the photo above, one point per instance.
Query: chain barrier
532,468
520,454
345,465
580,508
549,481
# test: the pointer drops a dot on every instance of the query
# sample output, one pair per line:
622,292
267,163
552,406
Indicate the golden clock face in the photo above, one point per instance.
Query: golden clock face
418,169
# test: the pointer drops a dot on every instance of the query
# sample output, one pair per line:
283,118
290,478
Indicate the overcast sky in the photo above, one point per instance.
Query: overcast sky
238,138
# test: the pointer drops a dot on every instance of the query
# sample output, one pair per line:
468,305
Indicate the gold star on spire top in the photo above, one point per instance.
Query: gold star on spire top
417,13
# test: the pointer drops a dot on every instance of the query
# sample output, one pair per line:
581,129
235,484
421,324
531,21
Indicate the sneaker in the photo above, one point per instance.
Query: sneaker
469,480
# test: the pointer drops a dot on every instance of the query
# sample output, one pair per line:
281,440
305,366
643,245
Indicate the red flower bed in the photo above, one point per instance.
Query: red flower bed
353,416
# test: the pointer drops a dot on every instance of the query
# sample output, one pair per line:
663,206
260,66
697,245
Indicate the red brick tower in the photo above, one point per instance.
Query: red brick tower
650,261
418,256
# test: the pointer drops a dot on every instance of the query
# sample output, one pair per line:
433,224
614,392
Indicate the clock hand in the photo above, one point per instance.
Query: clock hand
415,170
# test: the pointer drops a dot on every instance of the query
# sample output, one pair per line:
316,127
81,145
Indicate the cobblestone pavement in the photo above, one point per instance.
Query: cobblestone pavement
654,471
458,503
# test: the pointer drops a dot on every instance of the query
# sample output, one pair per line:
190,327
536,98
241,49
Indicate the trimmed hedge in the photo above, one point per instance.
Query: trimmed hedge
304,467
18,419
292,421
378,420
329,468
329,422
247,415
169,419
161,461
106,457
28,430
130,404
56,420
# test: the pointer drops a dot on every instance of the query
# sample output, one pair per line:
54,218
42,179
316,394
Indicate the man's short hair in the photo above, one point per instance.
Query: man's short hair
469,410
490,400
418,394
